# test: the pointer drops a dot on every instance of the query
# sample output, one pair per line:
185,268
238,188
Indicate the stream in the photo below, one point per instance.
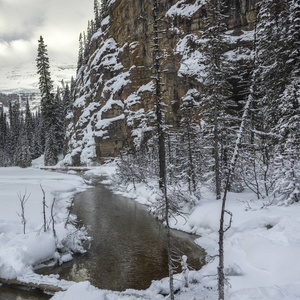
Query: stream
128,249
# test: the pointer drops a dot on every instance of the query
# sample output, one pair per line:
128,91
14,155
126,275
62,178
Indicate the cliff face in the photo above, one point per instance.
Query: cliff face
115,90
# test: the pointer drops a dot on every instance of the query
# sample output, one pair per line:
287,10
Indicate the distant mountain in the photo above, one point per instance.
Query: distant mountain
24,78
20,83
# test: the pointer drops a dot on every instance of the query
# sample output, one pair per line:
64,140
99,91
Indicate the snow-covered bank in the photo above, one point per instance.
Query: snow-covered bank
19,252
261,247
261,251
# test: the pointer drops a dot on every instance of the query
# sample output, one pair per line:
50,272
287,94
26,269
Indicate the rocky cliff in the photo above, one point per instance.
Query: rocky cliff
114,90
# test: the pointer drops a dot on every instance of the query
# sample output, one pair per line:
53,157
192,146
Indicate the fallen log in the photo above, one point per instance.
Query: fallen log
44,283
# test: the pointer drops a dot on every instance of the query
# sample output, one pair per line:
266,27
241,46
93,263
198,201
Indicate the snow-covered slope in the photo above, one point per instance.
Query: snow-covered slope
24,78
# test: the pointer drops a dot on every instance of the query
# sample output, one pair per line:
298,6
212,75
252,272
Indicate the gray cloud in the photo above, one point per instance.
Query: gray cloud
59,22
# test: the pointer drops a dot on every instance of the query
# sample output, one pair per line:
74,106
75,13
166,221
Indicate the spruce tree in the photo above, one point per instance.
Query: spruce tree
48,108
80,53
67,101
15,130
104,9
50,148
59,127
38,142
28,126
215,99
4,141
97,14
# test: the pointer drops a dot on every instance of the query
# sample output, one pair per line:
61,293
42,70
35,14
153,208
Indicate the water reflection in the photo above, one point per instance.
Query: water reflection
129,246
8,292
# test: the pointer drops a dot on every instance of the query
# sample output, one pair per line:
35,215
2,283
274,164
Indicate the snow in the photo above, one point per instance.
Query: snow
192,60
20,253
261,247
24,78
185,10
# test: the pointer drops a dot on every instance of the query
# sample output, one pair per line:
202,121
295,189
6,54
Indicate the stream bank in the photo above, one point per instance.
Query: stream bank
128,249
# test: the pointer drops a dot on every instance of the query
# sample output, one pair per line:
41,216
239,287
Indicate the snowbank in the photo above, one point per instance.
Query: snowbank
261,249
19,252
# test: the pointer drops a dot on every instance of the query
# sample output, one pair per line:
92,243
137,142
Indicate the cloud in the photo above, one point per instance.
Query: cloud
59,22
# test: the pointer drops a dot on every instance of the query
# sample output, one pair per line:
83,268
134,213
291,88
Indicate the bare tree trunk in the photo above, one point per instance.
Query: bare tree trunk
222,230
52,217
161,138
23,199
44,209
216,154
191,171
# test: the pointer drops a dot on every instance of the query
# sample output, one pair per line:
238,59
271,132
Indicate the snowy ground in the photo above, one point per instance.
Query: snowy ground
261,247
20,253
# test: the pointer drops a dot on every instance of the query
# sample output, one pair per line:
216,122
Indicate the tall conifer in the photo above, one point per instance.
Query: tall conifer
47,102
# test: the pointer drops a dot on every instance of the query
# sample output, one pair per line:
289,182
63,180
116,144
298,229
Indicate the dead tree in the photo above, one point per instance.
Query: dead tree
23,199
160,134
44,208
222,229
52,218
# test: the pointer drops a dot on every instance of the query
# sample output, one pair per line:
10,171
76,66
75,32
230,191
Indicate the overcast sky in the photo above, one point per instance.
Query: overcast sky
58,21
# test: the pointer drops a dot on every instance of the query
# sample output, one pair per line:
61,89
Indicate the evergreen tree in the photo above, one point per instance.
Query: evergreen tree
104,9
67,101
188,142
4,141
216,97
59,124
28,126
273,68
22,157
287,150
72,90
38,142
15,129
50,157
97,14
80,53
48,104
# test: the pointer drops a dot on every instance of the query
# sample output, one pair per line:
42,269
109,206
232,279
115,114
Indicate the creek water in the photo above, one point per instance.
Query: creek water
128,249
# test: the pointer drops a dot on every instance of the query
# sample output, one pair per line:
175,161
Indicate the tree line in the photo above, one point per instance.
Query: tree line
100,13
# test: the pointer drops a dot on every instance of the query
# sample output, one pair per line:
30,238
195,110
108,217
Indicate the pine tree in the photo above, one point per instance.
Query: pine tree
4,141
48,105
187,159
216,101
38,142
72,89
59,127
16,124
97,14
104,9
272,30
287,151
80,53
23,152
50,158
28,126
67,101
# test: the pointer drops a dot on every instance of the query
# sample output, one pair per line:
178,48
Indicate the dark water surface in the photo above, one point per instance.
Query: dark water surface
128,249
8,292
